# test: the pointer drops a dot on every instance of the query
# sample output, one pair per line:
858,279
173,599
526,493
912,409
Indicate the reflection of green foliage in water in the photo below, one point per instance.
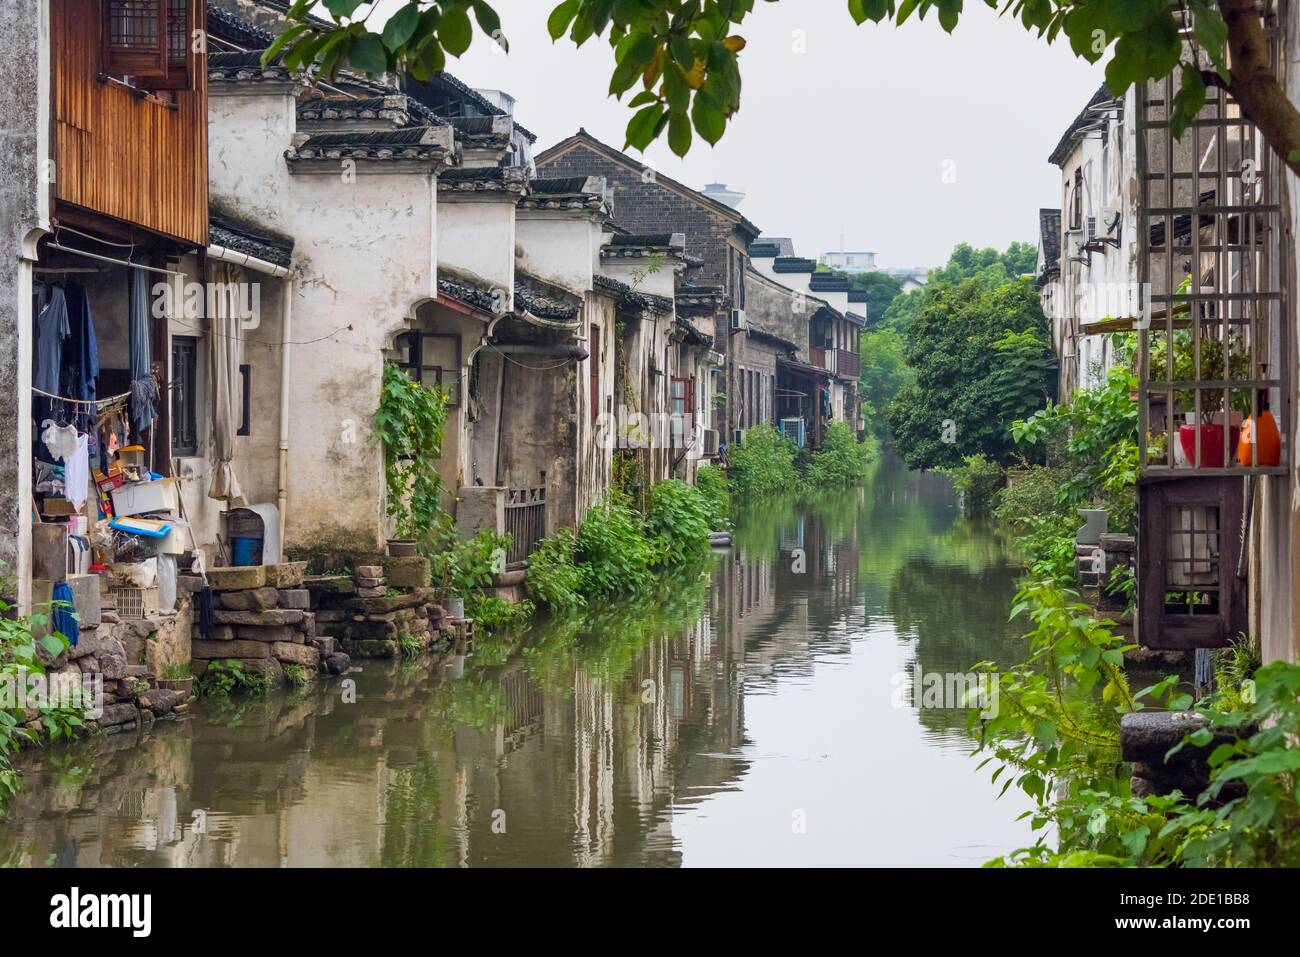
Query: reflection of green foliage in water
413,829
476,700
605,640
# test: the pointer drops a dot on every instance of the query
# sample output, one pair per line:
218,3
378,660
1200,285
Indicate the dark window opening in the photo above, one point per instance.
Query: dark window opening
432,359
184,395
246,391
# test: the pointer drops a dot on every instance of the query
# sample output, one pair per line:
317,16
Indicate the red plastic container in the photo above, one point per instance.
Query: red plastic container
1211,444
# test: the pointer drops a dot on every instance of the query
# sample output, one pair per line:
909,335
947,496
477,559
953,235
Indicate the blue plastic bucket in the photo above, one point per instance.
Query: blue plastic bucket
246,551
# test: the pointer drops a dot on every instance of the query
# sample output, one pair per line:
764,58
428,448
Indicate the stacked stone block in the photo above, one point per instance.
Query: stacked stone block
366,612
261,618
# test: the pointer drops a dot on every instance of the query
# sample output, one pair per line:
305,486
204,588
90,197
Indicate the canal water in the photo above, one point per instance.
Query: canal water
759,712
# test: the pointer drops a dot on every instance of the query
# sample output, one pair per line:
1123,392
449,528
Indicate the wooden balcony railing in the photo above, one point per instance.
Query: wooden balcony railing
818,357
847,364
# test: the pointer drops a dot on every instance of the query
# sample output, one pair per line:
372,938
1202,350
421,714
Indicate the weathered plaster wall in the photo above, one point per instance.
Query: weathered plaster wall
24,211
559,249
256,460
365,256
477,237
779,310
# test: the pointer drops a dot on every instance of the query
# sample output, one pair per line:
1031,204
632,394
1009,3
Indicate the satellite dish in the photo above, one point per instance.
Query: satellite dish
1110,218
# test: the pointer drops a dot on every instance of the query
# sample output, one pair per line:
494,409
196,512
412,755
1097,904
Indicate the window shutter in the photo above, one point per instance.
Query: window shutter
135,37
180,57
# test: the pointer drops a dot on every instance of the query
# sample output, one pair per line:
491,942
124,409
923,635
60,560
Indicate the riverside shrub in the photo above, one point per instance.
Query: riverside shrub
763,464
678,523
842,459
612,551
713,486
553,579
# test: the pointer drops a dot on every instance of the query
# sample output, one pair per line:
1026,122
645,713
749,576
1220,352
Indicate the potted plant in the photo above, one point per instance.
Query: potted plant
1208,429
177,678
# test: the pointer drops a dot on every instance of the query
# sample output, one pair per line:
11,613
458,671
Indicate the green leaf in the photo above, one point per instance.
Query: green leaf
1045,732
950,12
54,644
642,127
1187,101
401,26
557,24
455,31
488,19
283,40
342,9
366,53
679,133
708,117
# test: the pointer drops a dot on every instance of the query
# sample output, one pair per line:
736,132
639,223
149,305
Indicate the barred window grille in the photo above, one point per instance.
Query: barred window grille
148,41
1210,262
133,24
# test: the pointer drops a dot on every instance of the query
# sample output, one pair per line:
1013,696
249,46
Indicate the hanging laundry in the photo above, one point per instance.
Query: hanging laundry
144,389
61,440
76,474
52,328
64,619
82,343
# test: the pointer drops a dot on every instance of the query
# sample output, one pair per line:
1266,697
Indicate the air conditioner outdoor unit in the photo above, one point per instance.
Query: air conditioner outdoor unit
710,441
738,320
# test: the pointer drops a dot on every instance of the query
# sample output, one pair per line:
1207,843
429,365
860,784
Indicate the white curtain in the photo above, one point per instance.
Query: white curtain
225,353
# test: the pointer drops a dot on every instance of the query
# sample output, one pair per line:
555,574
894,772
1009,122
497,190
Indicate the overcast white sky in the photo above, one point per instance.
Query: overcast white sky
850,137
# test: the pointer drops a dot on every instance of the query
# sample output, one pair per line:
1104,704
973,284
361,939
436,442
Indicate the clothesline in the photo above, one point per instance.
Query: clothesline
97,403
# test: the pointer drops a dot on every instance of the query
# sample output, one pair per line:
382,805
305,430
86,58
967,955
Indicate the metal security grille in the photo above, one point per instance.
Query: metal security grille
133,24
178,32
1213,350
525,520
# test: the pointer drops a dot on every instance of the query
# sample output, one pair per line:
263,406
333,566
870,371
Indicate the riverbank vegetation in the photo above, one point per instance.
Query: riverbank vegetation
768,463
24,685
1055,734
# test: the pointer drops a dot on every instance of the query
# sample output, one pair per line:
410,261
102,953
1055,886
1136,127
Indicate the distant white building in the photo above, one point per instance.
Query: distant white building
911,277
725,196
850,262
1087,256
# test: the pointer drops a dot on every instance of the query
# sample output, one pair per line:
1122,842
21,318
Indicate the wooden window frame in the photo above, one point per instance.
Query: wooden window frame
687,397
185,406
155,67
594,362
416,368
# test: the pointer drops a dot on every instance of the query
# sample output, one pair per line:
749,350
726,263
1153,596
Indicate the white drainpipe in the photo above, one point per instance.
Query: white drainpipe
227,255
286,345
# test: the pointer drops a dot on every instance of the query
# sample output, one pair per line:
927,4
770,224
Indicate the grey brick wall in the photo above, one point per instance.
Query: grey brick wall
643,205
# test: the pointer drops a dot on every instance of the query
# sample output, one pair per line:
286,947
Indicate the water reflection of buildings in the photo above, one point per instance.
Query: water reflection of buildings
578,756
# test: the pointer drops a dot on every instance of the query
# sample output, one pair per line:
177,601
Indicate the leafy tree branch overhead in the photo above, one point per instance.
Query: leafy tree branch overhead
678,61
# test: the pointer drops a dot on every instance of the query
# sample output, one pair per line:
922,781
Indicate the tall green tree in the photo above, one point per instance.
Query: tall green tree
981,356
881,289
678,61
884,373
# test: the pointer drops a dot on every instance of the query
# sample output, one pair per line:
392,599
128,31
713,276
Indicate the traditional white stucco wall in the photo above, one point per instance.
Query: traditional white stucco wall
365,258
